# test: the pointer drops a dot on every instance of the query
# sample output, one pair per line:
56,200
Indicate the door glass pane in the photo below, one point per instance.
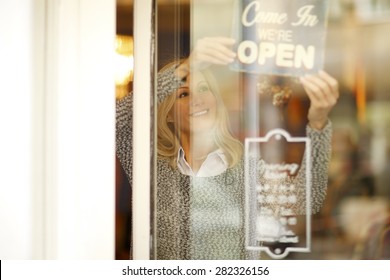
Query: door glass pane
272,130
124,70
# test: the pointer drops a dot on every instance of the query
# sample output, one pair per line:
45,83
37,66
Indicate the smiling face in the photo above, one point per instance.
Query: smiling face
195,107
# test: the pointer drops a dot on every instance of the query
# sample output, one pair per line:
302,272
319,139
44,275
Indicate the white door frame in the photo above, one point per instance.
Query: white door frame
143,123
65,97
80,156
79,177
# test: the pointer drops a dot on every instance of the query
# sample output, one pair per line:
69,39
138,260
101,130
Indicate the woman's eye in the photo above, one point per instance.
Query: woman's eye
183,94
203,88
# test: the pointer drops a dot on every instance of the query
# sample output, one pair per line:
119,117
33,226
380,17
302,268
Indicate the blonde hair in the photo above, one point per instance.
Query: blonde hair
168,136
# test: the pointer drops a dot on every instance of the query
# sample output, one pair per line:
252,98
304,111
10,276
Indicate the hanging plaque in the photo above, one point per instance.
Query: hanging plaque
277,196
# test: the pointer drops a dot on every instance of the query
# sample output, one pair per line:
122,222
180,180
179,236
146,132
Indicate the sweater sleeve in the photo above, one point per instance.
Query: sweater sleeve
124,133
319,162
320,158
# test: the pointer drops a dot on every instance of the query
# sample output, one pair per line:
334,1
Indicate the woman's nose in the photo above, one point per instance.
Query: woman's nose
196,99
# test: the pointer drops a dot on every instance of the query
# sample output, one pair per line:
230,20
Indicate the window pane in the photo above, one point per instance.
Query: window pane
272,128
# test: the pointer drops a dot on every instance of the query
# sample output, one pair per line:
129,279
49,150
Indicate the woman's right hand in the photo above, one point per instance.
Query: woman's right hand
208,51
323,92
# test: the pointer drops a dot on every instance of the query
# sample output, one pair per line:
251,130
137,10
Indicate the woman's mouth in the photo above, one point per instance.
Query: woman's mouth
199,113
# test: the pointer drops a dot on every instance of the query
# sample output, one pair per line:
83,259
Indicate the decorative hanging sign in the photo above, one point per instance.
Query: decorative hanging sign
280,37
278,208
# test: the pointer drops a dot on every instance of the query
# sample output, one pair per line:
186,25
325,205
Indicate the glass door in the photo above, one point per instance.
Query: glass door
269,130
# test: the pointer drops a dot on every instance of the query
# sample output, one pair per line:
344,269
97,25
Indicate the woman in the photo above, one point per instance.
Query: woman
200,177
193,123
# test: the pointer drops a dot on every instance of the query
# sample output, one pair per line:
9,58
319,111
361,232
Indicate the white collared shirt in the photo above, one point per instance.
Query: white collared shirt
214,164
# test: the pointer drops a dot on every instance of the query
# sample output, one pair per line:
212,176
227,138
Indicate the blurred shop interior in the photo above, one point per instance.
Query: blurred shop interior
354,222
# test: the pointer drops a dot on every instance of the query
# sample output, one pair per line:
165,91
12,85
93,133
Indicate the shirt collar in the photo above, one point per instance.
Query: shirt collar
218,153
215,156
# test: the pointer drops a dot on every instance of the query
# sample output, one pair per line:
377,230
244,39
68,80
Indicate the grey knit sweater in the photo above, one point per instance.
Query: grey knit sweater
203,218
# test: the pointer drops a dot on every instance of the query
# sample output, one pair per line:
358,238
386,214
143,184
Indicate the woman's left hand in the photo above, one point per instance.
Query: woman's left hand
208,51
323,92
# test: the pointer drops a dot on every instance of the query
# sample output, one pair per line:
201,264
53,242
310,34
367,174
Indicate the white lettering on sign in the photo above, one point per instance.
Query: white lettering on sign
261,17
280,35
285,58
286,239
284,55
305,17
273,36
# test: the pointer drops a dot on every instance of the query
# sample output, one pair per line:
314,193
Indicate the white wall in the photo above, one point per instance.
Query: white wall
57,129
16,72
